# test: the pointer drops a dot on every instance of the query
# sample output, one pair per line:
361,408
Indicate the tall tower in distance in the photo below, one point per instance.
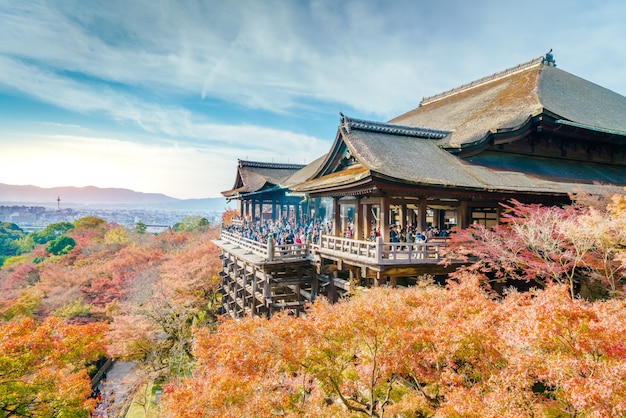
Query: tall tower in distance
58,202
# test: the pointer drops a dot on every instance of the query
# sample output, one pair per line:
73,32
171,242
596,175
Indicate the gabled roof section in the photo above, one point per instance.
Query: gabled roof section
403,153
509,99
384,153
254,176
343,153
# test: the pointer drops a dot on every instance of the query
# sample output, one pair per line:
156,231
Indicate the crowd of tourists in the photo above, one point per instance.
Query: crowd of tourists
411,234
285,232
282,231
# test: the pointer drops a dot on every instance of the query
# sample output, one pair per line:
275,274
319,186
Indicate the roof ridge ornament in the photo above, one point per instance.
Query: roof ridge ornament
549,59
389,128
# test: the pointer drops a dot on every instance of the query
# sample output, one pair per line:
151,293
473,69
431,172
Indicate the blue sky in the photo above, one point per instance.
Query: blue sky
165,96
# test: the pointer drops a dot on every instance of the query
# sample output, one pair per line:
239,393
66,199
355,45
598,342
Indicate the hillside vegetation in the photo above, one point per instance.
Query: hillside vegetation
89,289
476,347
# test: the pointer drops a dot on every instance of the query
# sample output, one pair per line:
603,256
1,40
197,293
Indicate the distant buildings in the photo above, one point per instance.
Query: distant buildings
33,218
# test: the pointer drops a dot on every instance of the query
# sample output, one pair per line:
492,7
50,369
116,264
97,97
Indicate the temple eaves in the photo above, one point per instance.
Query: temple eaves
389,128
260,164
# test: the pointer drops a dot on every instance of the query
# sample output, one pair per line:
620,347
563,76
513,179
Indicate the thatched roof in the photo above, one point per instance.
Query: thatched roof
508,99
254,176
391,153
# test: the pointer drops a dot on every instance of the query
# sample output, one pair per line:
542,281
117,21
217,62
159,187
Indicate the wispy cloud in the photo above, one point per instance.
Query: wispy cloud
147,67
370,56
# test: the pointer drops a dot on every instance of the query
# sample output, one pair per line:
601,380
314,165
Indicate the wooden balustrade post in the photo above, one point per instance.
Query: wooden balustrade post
270,246
379,249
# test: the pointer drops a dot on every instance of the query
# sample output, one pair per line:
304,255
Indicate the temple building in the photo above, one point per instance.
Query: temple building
534,133
260,186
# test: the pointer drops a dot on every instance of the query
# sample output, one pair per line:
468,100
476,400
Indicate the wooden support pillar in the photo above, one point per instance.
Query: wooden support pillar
383,217
255,289
241,208
332,290
316,208
367,220
421,215
267,294
253,212
379,279
403,215
463,221
393,281
315,285
296,208
336,217
358,220
274,210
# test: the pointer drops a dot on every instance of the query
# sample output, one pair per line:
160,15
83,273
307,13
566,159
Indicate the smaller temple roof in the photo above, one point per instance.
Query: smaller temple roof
254,176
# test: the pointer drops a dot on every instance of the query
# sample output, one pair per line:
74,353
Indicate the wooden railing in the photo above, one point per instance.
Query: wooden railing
269,251
370,252
379,252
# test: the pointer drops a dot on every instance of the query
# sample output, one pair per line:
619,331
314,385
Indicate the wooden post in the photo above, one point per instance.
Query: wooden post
358,220
421,223
274,210
255,289
315,285
270,246
332,290
379,279
379,249
383,217
296,208
367,220
336,217
463,220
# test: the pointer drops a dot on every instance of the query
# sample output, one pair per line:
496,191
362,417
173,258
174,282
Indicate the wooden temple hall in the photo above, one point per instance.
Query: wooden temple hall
534,133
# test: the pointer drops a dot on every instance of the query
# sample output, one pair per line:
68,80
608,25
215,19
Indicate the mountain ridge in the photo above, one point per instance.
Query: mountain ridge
92,196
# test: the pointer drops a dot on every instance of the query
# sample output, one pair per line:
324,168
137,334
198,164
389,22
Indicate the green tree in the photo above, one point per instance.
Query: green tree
140,228
51,232
9,234
61,245
192,224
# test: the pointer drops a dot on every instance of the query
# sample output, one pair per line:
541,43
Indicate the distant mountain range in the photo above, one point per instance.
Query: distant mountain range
96,197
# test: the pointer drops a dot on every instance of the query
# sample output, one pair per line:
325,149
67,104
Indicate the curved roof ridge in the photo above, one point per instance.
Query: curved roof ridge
544,59
260,164
389,128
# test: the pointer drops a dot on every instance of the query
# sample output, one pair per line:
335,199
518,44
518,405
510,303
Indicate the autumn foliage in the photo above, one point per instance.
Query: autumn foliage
112,292
532,327
475,347
425,351
43,367
580,246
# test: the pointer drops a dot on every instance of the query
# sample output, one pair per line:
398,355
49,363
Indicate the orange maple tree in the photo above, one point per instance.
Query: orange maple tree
43,367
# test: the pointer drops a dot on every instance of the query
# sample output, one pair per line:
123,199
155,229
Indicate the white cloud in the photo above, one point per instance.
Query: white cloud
141,62
375,57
